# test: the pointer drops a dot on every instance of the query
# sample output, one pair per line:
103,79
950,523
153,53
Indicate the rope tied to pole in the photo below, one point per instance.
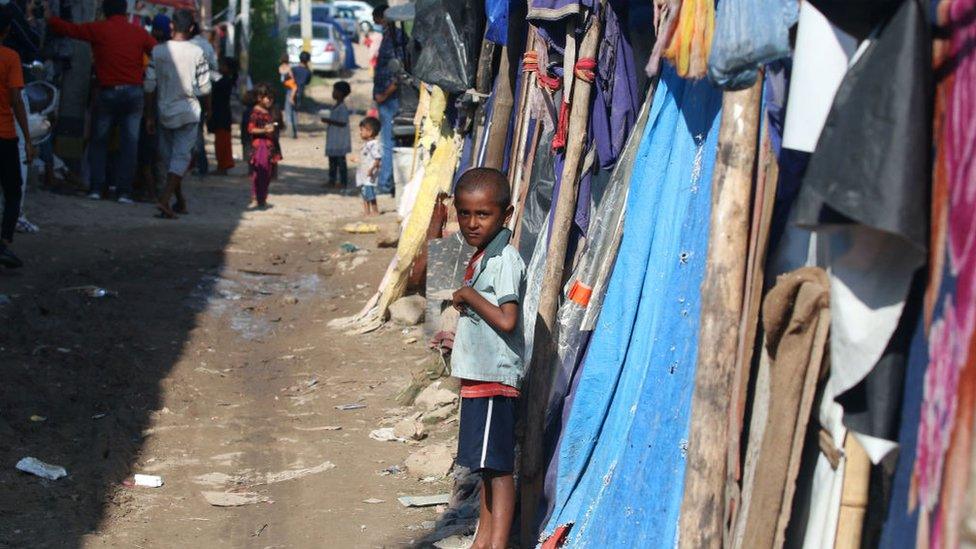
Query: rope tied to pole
530,64
585,70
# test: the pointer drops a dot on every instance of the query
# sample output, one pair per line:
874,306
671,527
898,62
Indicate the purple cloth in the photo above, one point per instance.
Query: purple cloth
615,101
554,10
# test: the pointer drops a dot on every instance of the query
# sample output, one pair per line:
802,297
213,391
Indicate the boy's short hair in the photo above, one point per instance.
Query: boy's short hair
304,57
479,179
183,21
380,11
342,87
372,123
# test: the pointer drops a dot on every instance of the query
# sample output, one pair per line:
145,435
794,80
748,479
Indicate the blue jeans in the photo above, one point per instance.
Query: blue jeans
117,106
388,111
200,164
291,118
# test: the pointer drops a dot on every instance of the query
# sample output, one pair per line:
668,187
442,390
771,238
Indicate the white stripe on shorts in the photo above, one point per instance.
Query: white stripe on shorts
484,441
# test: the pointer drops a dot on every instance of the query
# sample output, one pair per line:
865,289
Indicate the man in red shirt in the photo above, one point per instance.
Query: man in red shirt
119,48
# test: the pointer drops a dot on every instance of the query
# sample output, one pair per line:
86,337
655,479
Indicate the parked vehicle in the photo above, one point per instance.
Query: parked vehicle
347,18
362,12
328,13
328,51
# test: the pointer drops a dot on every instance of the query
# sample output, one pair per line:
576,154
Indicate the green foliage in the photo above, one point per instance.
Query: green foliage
266,47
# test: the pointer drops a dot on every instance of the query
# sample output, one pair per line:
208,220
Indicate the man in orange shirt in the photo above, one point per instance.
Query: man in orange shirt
11,109
119,48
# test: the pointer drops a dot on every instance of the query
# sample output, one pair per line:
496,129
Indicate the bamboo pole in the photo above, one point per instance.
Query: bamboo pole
540,371
767,175
501,113
854,495
703,510
517,166
521,190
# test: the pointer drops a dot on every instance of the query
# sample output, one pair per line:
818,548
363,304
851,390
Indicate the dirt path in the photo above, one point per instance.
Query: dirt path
212,367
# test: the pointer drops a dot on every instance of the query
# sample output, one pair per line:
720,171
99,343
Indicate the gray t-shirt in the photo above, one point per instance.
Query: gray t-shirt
480,352
210,54
337,141
178,73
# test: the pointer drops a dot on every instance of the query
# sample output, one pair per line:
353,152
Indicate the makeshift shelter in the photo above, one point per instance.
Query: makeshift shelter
749,311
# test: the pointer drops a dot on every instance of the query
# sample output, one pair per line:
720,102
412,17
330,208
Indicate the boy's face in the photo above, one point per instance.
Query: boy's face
365,133
480,216
336,94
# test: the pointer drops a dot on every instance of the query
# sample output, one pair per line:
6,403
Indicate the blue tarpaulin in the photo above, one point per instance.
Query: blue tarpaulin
496,29
621,459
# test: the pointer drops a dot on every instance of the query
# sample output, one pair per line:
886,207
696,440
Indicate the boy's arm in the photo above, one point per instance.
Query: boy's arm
502,317
84,32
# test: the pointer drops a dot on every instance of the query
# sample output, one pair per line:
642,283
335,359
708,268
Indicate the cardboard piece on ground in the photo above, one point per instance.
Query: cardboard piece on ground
424,501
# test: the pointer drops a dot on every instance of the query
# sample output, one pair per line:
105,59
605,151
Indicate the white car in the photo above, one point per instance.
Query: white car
362,10
328,51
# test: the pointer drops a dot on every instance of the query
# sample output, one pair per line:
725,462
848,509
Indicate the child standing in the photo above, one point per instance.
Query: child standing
488,347
369,164
263,130
337,144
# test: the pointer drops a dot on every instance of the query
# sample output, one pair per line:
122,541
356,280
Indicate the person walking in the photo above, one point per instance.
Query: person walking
220,120
200,164
118,48
301,76
11,111
178,75
390,60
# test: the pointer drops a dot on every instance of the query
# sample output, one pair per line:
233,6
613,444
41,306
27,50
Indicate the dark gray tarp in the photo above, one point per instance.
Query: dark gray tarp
872,163
447,38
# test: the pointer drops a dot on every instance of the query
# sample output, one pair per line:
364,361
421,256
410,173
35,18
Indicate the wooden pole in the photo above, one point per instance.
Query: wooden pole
703,510
245,57
282,16
231,47
305,13
520,145
854,495
501,114
540,371
206,14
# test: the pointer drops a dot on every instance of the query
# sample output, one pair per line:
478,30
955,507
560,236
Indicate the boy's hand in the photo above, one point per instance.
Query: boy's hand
373,171
458,299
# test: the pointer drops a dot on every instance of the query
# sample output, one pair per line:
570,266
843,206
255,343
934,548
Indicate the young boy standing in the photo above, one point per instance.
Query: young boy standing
488,346
337,144
369,164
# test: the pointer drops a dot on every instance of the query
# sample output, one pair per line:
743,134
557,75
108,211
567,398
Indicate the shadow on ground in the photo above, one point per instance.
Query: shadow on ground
82,374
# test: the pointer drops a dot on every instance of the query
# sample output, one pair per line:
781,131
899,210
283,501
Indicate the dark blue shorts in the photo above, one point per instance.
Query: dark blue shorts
486,437
368,192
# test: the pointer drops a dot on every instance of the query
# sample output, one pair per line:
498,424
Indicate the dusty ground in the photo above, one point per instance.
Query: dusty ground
212,367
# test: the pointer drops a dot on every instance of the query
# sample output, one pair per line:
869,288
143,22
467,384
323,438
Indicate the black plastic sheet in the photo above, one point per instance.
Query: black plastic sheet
447,38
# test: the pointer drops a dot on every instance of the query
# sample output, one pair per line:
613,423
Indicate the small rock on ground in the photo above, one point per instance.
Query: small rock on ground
409,310
432,461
